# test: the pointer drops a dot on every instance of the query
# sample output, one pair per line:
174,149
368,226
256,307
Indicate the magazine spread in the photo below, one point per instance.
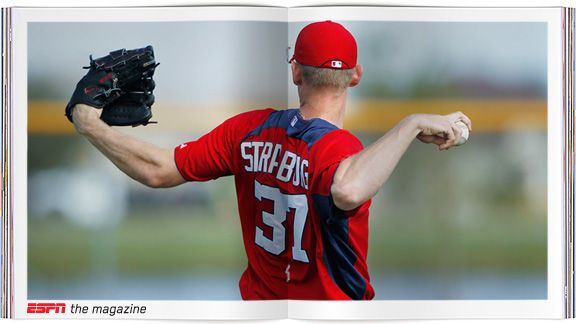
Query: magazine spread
246,227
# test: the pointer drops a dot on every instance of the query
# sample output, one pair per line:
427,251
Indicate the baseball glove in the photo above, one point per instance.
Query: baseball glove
120,84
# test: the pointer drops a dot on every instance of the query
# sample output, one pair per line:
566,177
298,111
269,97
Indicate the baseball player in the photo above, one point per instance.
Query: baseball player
303,183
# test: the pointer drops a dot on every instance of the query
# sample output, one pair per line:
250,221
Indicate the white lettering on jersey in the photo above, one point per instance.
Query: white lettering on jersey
266,152
304,173
270,158
286,167
256,152
273,161
296,178
246,156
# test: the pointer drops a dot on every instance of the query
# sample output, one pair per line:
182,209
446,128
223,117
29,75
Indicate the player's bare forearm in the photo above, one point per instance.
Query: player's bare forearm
359,177
144,162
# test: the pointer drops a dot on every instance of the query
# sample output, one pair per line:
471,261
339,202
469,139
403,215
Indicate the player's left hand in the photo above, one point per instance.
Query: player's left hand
120,84
85,116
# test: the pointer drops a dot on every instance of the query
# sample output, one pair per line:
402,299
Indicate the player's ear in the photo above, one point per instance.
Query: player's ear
296,73
359,71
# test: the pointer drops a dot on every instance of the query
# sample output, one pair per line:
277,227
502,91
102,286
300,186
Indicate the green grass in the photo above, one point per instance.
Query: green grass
482,247
154,241
140,244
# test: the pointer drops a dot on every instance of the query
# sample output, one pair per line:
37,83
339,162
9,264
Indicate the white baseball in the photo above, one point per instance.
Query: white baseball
465,132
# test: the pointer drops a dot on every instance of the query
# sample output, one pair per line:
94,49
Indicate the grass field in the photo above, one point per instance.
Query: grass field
183,241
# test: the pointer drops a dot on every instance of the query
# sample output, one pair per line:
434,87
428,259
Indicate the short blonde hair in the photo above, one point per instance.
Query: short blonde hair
326,77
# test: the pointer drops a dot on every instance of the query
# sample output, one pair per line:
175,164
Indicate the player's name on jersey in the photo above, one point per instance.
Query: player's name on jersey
271,158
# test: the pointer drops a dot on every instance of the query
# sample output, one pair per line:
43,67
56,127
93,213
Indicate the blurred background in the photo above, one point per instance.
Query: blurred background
469,223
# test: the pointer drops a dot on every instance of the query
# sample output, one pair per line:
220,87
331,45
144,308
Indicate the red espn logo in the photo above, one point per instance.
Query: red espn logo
44,308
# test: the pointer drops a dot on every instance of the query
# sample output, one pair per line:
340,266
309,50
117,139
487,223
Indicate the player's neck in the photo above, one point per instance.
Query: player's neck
326,104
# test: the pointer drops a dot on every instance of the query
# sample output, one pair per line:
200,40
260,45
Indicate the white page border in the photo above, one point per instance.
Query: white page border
336,310
293,3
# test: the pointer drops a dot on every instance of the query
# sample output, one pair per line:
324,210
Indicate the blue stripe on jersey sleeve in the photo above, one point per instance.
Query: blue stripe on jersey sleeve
338,256
309,131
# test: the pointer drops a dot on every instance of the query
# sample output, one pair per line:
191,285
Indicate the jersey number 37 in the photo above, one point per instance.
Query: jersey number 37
282,205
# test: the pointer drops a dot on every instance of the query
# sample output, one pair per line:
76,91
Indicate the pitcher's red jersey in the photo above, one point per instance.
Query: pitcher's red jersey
299,244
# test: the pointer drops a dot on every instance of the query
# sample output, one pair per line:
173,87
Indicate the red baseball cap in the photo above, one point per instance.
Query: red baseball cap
326,44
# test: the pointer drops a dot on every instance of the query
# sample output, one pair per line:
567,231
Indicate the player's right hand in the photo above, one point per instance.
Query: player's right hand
440,129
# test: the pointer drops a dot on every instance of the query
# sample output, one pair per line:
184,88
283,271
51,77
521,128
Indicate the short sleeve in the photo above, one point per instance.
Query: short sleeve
212,155
326,155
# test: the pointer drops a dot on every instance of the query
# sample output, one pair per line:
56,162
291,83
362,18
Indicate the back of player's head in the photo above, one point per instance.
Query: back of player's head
327,54
326,44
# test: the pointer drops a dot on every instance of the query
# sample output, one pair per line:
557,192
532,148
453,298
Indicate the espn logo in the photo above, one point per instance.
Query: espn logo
45,308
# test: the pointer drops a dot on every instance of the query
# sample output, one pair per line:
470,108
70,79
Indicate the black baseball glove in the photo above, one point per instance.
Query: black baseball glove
121,84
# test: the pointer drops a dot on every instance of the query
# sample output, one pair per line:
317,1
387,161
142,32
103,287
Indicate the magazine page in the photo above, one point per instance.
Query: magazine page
474,231
90,241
